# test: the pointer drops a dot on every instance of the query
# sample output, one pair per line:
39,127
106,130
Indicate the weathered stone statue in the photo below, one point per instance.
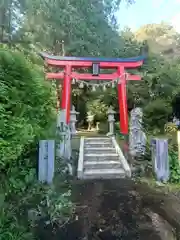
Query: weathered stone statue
137,138
90,119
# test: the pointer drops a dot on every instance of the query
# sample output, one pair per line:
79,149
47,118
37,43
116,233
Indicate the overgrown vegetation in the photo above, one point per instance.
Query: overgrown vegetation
174,167
27,101
26,115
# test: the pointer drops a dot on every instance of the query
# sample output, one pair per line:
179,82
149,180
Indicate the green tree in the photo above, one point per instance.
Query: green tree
161,38
25,101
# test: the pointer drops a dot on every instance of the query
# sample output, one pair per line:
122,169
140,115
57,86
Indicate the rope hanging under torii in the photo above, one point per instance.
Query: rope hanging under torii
100,84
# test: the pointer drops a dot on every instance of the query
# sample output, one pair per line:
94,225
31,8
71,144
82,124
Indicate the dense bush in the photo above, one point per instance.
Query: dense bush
174,167
156,114
98,108
26,109
26,114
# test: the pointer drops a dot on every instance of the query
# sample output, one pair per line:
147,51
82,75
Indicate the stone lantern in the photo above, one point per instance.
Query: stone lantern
73,120
111,120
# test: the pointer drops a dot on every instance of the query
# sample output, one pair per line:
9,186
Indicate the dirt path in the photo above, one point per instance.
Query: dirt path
112,210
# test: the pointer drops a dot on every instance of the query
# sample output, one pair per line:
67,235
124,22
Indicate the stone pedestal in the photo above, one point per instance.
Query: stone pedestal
111,120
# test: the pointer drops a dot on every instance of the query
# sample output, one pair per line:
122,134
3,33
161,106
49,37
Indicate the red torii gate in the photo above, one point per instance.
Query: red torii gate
69,64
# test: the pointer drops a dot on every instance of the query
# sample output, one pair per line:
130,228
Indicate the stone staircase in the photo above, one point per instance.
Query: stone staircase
101,157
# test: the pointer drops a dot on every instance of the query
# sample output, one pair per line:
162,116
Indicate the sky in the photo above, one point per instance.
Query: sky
149,11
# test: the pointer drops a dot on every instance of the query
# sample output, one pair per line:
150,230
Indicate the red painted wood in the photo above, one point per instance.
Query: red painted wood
66,93
82,64
68,76
86,76
134,77
122,97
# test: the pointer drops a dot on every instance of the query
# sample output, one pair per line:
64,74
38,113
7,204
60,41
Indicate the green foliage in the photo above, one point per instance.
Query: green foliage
156,114
88,28
174,167
27,114
155,92
85,26
56,208
25,99
98,108
170,128
161,39
36,203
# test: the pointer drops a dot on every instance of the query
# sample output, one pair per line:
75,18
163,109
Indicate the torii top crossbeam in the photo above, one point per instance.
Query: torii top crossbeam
133,62
71,63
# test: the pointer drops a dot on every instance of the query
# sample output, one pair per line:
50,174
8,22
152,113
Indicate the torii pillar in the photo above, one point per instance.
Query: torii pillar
70,64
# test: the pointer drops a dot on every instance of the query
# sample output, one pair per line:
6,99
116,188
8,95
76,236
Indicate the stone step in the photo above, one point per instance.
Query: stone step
104,173
101,155
97,140
105,159
102,164
98,145
99,150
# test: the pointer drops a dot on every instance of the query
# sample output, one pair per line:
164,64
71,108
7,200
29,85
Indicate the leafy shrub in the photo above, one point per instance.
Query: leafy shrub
27,114
27,105
156,114
99,109
170,127
39,203
54,208
174,167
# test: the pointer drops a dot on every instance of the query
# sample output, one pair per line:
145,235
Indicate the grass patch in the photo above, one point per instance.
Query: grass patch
163,187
